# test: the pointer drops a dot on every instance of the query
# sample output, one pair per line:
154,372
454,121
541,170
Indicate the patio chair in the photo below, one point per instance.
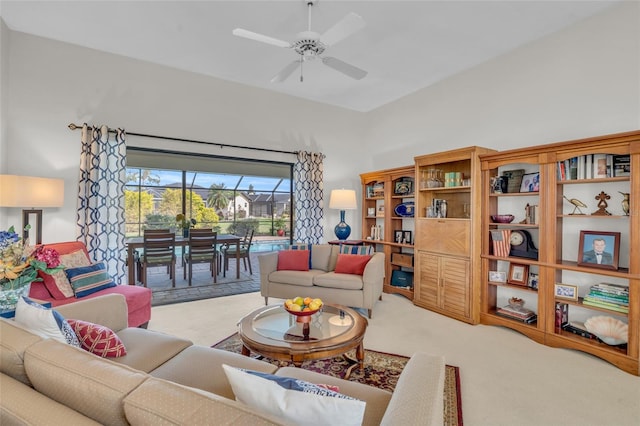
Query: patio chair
138,254
159,250
201,249
243,253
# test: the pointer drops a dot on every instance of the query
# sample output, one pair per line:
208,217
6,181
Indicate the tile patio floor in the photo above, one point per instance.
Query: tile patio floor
202,286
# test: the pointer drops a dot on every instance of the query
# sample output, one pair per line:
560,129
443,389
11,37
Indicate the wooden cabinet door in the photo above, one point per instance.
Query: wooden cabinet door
427,290
444,284
454,273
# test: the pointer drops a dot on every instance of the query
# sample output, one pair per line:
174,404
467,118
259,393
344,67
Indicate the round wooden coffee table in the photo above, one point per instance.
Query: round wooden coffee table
274,333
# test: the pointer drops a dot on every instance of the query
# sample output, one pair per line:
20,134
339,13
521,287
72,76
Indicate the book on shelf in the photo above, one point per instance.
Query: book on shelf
562,315
612,288
621,165
606,305
599,166
517,313
579,329
528,320
594,166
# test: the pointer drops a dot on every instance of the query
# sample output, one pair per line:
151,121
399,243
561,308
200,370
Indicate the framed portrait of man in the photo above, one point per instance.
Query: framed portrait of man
599,249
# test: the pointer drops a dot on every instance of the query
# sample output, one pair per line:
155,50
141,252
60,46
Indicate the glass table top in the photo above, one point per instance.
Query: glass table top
277,324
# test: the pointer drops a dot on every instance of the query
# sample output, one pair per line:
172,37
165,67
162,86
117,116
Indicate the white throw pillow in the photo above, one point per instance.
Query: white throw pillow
44,322
293,399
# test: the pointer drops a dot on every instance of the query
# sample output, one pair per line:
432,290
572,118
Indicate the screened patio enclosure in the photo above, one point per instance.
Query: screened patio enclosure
177,191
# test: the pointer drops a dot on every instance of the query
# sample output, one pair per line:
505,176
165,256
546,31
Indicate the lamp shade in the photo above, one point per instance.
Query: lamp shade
343,199
27,191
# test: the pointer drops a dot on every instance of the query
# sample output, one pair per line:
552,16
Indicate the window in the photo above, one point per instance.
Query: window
228,195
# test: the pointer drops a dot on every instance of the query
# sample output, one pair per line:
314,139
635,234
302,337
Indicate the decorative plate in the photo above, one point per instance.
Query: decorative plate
405,209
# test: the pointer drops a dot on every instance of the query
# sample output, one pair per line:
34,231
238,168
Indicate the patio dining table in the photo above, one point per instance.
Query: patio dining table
134,243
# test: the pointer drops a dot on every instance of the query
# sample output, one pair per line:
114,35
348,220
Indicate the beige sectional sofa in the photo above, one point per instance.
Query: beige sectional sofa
358,291
167,380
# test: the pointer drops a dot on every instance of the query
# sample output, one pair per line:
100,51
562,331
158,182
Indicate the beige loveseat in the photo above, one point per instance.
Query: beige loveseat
167,380
358,291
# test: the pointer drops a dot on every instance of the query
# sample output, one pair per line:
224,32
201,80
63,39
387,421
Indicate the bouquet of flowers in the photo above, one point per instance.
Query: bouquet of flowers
20,263
183,223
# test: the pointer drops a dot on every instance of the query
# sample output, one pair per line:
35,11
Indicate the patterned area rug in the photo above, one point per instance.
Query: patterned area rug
381,370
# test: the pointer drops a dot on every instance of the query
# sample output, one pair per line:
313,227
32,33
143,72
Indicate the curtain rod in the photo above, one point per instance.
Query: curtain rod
73,126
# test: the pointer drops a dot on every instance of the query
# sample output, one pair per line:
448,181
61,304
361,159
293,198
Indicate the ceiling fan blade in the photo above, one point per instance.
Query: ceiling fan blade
342,29
260,37
345,68
286,72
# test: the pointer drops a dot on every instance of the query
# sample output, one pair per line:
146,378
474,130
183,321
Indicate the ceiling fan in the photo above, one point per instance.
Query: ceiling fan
310,45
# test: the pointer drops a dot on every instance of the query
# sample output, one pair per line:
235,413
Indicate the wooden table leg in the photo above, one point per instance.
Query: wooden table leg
245,351
360,355
131,265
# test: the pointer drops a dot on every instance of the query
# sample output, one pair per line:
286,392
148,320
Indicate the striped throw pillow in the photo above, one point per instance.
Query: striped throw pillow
86,280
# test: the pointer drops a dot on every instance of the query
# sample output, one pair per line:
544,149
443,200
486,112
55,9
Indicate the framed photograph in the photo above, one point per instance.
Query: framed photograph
371,211
380,211
497,277
566,291
518,274
397,236
403,186
533,280
599,249
530,182
406,237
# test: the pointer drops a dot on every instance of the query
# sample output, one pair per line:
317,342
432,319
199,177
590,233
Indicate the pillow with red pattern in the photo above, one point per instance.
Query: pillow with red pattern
293,260
351,264
98,339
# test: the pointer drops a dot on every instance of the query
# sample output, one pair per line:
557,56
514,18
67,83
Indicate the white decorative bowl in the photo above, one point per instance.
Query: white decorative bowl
610,330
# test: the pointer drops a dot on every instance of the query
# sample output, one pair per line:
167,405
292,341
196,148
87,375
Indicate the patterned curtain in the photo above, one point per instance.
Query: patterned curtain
101,223
308,193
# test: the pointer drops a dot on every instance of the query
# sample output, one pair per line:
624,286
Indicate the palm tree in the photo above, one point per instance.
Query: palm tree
218,197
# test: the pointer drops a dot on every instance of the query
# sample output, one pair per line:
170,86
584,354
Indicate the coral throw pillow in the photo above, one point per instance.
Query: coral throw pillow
98,339
351,264
293,260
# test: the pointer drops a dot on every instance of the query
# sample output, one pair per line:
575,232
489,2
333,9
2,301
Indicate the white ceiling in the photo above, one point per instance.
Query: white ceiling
405,45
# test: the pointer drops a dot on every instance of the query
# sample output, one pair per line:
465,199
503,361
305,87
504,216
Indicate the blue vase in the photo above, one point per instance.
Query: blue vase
342,230
9,297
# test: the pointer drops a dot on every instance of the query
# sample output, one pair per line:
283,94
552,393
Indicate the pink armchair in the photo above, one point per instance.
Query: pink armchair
138,298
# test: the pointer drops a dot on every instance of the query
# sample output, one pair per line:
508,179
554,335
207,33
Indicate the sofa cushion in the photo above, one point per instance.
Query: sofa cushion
98,339
146,350
87,280
158,402
59,286
342,281
44,321
299,278
15,340
89,384
351,264
292,399
209,375
293,260
22,405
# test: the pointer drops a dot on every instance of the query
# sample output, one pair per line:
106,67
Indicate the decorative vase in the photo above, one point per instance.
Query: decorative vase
9,296
342,230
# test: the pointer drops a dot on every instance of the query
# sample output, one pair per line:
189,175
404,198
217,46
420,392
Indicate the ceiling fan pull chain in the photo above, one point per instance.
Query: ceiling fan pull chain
301,65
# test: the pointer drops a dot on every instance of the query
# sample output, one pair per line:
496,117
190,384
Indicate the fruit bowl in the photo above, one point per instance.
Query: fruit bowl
502,218
303,308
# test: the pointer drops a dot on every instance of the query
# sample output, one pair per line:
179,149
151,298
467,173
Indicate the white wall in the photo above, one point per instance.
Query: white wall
53,84
4,84
583,81
580,82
